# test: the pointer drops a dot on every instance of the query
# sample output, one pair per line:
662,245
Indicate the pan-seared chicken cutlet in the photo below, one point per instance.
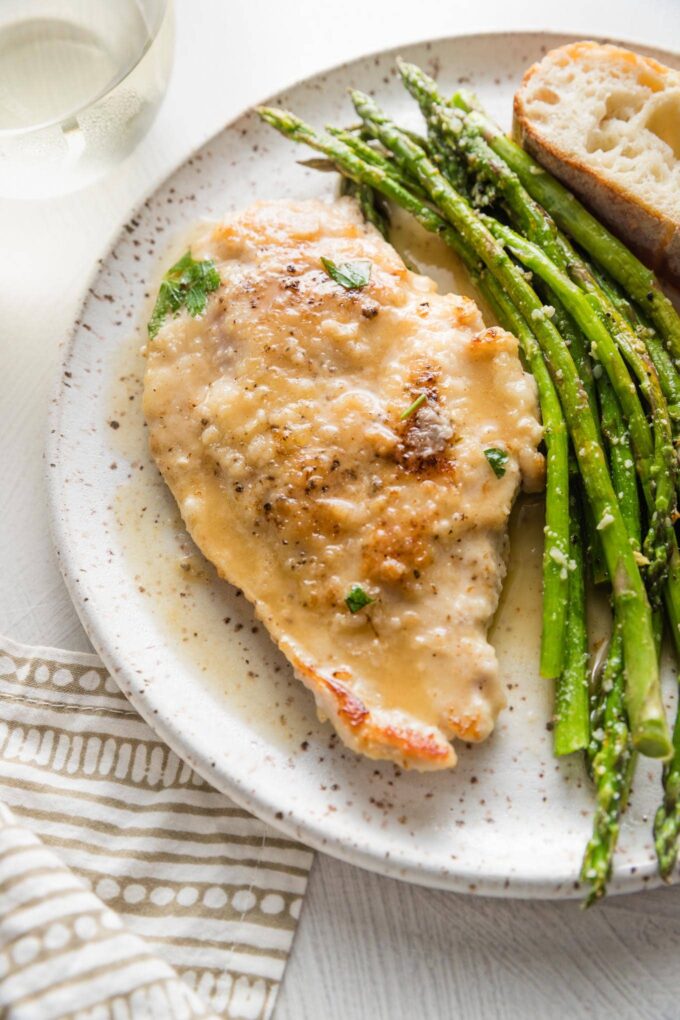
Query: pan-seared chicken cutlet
348,457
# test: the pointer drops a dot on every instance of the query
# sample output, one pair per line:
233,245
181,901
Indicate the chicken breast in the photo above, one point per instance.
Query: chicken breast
278,422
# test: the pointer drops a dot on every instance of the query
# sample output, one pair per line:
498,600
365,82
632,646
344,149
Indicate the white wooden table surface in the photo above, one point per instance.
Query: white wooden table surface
366,946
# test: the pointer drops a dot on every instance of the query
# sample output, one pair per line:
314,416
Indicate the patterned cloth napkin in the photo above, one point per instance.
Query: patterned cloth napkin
128,887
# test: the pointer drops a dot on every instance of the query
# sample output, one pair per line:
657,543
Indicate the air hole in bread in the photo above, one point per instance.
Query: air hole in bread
622,105
648,79
664,122
546,95
599,140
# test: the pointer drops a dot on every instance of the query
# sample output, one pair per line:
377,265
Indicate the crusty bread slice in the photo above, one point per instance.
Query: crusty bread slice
606,122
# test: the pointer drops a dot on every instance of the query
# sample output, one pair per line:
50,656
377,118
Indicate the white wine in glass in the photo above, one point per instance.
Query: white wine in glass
80,83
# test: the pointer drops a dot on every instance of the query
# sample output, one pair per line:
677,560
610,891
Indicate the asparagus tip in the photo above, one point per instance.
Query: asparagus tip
406,69
666,841
268,114
593,897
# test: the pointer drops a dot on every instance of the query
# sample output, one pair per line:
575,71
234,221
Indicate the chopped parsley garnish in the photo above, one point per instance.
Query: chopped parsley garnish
350,275
188,284
357,599
497,459
418,402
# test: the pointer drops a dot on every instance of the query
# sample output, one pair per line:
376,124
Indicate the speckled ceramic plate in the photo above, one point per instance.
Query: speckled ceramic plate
185,648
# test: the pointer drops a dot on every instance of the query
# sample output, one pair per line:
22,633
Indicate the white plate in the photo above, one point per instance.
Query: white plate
511,820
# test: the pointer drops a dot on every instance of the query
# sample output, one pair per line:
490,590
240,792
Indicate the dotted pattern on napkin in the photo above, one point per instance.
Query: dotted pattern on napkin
128,887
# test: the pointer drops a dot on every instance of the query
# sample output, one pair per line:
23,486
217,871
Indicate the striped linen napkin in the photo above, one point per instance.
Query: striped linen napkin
128,887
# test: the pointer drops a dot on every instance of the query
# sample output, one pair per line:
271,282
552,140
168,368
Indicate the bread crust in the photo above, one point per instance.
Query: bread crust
650,233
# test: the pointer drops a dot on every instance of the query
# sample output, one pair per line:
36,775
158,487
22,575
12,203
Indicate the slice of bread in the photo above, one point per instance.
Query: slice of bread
606,122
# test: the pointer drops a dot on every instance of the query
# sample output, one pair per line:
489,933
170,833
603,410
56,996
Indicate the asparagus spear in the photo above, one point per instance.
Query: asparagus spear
612,767
620,459
643,695
560,607
572,725
667,818
610,753
571,216
575,340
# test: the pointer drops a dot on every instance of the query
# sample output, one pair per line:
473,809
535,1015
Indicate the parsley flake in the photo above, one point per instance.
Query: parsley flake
350,275
497,459
357,599
187,284
418,402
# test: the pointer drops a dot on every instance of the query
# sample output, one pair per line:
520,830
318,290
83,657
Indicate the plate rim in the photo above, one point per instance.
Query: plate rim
310,833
